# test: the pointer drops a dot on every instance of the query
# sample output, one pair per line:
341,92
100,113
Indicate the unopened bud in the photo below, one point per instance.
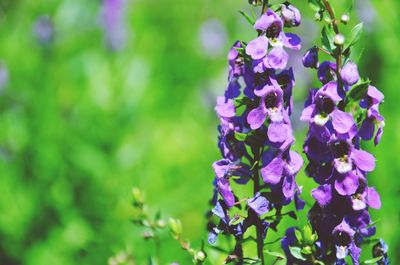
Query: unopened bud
160,224
200,256
339,40
137,196
317,16
345,18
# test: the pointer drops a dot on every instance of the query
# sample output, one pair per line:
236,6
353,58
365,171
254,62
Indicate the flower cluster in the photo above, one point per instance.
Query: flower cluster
255,134
336,160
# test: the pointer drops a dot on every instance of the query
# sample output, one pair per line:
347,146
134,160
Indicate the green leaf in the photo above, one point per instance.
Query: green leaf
248,18
275,254
355,35
308,234
316,5
328,36
373,261
296,252
298,235
240,136
319,262
358,91
306,250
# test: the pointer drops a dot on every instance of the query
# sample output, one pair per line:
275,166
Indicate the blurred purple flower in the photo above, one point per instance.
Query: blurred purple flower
212,36
43,29
113,23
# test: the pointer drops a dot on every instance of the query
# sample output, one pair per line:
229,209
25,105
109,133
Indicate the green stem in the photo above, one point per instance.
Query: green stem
338,54
256,178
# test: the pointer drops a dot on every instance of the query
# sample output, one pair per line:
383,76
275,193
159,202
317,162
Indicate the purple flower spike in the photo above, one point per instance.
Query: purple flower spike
349,73
255,133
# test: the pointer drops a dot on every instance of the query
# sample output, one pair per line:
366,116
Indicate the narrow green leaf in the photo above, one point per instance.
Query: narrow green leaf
240,136
358,91
275,254
296,252
319,262
316,5
373,261
298,235
247,17
355,35
328,36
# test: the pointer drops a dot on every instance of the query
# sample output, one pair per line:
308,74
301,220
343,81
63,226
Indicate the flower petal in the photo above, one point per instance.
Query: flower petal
323,194
346,185
277,132
256,117
363,160
342,121
272,172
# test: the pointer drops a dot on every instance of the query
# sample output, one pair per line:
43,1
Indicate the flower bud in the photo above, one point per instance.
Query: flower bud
200,256
310,58
345,18
176,227
317,17
160,223
137,197
349,73
291,16
338,40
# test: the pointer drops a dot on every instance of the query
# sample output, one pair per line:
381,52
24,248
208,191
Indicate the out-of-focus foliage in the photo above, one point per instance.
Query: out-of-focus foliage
81,123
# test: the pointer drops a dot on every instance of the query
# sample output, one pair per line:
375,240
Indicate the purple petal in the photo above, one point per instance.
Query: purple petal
295,162
259,204
378,135
323,194
347,185
288,187
363,160
277,58
375,95
256,117
349,73
342,121
257,48
291,41
374,200
272,172
367,129
226,192
225,109
277,132
307,113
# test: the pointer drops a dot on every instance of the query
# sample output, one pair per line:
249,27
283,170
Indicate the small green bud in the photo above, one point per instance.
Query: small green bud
339,39
328,20
317,17
345,18
200,256
176,226
160,223
148,235
137,196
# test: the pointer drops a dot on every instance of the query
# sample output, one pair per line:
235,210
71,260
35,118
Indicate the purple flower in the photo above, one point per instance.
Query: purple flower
113,22
257,48
259,204
310,58
43,29
380,249
324,109
343,238
326,72
271,101
286,167
270,23
291,15
349,73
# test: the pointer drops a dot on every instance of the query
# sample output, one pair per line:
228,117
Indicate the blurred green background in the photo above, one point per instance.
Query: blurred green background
93,102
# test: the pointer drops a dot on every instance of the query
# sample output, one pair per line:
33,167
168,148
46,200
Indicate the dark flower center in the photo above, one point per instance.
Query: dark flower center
341,148
283,80
325,105
273,30
271,100
342,238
